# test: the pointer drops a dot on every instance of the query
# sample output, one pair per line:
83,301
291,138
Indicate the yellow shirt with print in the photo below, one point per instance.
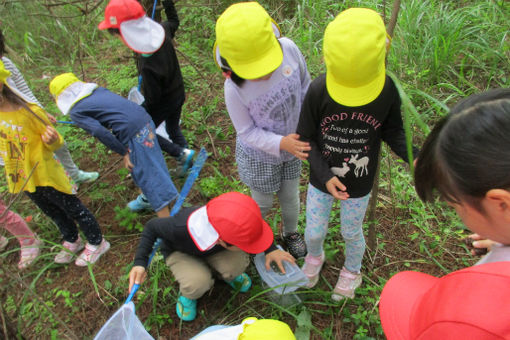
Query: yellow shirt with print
21,147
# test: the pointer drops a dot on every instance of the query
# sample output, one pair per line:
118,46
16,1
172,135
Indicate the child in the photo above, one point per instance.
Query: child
63,155
97,110
465,161
266,81
215,236
29,244
162,83
345,115
27,142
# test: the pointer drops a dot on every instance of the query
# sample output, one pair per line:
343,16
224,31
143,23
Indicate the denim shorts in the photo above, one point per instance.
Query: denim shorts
150,172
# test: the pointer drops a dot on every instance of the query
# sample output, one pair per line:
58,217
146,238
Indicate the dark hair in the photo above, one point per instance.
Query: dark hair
113,31
235,78
2,44
468,152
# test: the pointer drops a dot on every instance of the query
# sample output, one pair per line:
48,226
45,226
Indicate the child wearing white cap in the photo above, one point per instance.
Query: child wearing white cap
63,154
266,81
27,143
198,241
346,114
162,83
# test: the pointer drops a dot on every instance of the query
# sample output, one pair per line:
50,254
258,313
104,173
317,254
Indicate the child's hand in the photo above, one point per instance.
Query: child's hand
333,185
127,162
49,136
481,245
52,119
136,275
278,256
294,146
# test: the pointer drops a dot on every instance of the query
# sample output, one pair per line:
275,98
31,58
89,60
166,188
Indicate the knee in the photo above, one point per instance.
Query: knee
234,267
196,284
353,235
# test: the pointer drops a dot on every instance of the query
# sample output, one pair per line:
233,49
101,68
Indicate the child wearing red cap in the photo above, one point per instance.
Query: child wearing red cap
465,161
346,114
162,83
266,81
216,236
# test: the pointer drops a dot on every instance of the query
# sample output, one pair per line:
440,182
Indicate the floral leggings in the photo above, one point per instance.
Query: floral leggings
352,212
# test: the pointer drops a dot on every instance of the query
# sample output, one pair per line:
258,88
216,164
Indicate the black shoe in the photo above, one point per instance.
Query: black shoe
295,244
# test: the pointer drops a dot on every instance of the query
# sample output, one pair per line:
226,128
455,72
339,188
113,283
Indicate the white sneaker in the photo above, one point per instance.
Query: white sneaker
92,253
70,249
346,285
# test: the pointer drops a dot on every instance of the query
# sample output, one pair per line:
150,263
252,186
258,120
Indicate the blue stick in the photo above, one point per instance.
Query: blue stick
186,188
64,122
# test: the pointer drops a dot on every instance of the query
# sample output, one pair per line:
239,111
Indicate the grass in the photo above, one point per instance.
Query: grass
441,52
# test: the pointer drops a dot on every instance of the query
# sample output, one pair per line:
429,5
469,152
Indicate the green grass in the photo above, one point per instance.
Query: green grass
441,52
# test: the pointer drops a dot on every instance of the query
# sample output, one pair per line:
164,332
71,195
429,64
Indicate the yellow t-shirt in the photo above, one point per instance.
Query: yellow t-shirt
21,148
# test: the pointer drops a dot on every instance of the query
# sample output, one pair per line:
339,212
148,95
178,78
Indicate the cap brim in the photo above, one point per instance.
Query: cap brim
104,25
262,66
398,298
262,243
142,35
356,96
201,230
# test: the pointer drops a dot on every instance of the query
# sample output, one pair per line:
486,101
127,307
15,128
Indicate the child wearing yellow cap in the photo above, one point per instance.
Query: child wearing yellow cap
63,154
346,114
266,81
27,143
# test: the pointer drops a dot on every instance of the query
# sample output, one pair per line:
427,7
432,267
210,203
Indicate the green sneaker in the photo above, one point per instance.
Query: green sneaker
186,309
241,283
85,177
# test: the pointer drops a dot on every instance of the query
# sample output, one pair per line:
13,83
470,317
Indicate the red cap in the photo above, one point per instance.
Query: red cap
468,304
118,11
233,217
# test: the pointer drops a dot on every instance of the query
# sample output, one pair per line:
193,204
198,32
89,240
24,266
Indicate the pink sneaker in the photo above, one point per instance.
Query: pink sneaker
92,253
3,242
66,255
28,254
346,285
312,268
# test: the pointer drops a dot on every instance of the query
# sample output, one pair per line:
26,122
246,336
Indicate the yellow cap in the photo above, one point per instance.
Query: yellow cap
4,74
354,52
265,329
245,38
61,82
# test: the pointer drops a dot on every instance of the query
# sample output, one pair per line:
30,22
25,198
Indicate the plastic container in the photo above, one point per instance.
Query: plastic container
282,283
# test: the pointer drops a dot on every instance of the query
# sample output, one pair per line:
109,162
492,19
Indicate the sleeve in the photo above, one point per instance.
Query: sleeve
153,229
307,129
393,131
172,23
95,128
152,90
19,81
246,129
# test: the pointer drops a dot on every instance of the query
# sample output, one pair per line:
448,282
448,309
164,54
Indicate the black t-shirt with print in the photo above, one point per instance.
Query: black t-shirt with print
345,140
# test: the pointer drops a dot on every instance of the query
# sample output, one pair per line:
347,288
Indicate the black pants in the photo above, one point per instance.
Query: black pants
64,210
171,114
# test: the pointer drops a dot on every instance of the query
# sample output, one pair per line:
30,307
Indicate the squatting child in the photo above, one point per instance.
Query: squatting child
214,237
